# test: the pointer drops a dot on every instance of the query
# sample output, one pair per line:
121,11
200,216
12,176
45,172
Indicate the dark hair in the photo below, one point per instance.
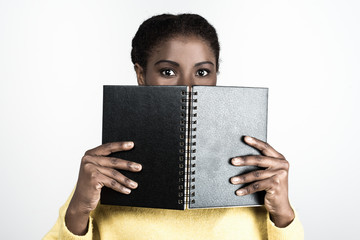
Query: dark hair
160,28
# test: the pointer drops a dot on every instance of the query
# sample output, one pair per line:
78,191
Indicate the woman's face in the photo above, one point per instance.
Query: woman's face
179,61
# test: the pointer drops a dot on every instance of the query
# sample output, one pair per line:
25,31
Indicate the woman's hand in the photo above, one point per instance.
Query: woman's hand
98,170
273,179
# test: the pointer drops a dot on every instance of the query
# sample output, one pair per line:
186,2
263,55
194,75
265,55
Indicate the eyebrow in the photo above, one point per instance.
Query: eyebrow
177,64
205,62
167,61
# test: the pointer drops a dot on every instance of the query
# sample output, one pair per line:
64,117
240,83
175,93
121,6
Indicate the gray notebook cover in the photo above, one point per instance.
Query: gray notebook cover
223,116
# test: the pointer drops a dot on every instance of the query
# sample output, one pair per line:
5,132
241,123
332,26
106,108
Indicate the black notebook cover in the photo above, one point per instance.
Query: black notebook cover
184,141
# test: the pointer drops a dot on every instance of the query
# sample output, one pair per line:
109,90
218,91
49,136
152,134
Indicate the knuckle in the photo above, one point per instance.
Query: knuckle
85,158
255,186
266,145
94,174
257,174
258,158
88,167
129,164
271,192
276,180
109,146
286,164
114,161
127,180
283,173
113,183
242,178
244,159
114,172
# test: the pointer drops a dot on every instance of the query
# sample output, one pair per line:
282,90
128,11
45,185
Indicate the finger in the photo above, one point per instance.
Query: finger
104,180
108,148
263,147
118,177
270,185
112,162
252,176
260,161
255,187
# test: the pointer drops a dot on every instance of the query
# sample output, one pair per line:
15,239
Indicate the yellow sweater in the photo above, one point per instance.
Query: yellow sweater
115,222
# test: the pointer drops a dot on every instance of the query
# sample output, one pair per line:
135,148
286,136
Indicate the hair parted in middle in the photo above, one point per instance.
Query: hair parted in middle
160,28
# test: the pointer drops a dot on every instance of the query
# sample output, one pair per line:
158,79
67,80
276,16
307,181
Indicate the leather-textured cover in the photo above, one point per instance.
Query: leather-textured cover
224,115
150,116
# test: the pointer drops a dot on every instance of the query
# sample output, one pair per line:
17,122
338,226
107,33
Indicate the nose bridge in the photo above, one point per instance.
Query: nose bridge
186,79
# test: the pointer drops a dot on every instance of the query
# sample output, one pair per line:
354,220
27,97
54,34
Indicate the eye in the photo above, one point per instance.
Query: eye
202,72
167,72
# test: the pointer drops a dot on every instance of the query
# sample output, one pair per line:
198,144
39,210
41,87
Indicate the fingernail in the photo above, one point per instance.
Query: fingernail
235,161
127,191
249,139
137,166
133,184
130,144
240,192
235,180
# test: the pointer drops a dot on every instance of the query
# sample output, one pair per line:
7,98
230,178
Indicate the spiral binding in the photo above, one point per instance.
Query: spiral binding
192,148
183,151
187,149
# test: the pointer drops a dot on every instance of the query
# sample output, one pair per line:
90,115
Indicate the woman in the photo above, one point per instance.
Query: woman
176,50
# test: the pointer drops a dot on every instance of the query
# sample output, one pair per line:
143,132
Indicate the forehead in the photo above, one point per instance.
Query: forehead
185,48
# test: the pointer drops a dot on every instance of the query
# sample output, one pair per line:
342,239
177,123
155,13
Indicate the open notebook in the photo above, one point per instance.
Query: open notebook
184,138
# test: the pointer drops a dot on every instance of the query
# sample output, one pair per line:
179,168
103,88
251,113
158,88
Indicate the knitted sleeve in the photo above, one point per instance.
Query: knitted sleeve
61,232
294,231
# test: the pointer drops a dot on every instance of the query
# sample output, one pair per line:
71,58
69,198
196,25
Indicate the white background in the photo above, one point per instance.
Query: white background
56,55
